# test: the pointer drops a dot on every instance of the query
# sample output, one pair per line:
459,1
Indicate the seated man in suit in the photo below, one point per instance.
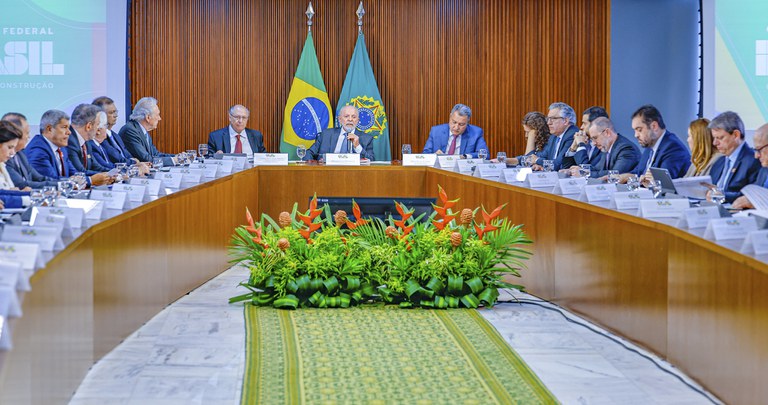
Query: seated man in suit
347,139
113,144
662,148
47,152
583,150
21,172
618,152
135,132
85,121
561,120
760,140
457,137
230,139
96,144
738,167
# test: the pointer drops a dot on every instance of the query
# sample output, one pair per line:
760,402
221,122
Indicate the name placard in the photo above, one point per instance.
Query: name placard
152,185
22,276
238,162
75,216
342,159
572,185
630,200
170,179
210,171
597,192
419,159
663,208
113,200
446,162
48,238
489,171
9,278
94,210
28,254
515,175
467,166
56,221
270,159
542,179
756,242
135,192
225,165
730,228
189,176
697,217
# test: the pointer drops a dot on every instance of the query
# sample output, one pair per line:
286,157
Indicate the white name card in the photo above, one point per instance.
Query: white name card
135,192
238,162
756,242
419,159
9,279
446,162
342,159
572,185
75,216
56,221
671,208
94,210
630,200
48,238
189,176
225,165
542,179
28,254
730,228
271,159
170,179
597,192
113,200
697,217
515,175
22,276
210,171
467,166
490,171
152,185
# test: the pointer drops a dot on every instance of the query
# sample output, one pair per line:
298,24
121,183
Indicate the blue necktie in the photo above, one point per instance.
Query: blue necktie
344,144
765,184
722,184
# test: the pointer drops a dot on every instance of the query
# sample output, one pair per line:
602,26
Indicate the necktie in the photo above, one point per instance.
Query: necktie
344,144
607,160
116,145
557,147
650,161
238,144
20,167
62,169
452,148
85,156
723,183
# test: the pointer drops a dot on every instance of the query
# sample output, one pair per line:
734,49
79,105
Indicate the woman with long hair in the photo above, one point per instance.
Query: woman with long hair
703,153
536,135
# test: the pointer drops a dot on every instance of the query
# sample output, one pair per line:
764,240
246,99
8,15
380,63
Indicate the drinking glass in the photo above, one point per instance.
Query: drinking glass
501,157
36,198
133,171
202,149
717,195
406,149
66,187
301,151
655,187
157,163
482,154
79,179
585,170
528,161
49,195
613,176
191,153
548,165
633,183
121,169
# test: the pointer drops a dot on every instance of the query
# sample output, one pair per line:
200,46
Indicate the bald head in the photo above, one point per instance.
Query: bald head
761,144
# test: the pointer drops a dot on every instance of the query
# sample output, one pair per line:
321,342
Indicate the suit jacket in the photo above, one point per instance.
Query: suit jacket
743,172
672,155
472,140
99,154
12,198
549,151
326,143
762,177
24,175
219,140
42,158
115,149
623,157
581,157
90,167
141,146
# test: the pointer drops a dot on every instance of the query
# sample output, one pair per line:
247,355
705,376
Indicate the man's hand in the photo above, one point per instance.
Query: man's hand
2,206
579,137
742,203
354,139
100,179
143,168
537,168
574,171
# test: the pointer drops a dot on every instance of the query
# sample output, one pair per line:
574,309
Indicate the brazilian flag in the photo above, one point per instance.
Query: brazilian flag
360,89
308,110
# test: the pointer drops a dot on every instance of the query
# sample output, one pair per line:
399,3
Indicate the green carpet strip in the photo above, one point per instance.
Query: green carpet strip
382,355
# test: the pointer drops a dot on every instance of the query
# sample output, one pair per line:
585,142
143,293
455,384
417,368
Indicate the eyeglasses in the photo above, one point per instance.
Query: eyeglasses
239,117
758,150
552,119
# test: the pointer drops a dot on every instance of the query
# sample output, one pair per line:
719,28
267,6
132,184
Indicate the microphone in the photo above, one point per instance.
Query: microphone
350,146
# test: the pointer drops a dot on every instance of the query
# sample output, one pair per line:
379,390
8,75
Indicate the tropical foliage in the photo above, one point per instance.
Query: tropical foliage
318,259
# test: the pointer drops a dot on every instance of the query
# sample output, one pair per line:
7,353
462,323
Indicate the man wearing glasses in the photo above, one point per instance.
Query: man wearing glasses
113,145
618,152
739,166
236,138
761,153
561,120
135,132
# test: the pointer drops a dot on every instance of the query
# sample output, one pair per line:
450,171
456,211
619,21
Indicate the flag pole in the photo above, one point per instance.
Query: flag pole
310,13
360,13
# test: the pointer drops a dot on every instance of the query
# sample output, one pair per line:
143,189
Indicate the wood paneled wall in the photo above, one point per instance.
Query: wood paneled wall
503,58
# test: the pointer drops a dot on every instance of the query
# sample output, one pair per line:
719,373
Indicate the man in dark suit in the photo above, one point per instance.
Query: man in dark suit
738,167
135,132
618,152
662,148
561,120
85,122
231,139
458,136
47,151
343,140
113,145
761,153
22,173
583,150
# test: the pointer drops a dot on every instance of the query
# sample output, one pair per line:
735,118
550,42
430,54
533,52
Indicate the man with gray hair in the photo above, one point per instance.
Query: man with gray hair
135,132
761,153
232,138
85,122
738,167
344,140
561,120
457,137
618,152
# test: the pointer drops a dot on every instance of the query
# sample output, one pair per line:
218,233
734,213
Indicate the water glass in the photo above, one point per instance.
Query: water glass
585,170
406,149
655,187
528,161
482,154
613,176
301,151
36,198
501,157
157,163
717,195
633,183
548,165
49,195
79,179
202,149
133,171
66,187
191,153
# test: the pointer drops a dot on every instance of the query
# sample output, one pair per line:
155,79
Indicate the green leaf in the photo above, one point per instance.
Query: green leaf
288,302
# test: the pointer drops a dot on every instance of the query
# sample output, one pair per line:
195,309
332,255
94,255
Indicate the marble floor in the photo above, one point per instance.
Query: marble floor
192,353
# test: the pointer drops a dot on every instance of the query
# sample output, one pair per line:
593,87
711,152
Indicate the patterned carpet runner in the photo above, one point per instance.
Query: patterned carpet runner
382,355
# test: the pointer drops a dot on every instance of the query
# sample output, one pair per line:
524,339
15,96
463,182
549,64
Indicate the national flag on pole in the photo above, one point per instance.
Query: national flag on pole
308,110
360,89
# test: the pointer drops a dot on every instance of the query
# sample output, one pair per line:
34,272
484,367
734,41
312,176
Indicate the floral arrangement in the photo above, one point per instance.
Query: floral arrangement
307,259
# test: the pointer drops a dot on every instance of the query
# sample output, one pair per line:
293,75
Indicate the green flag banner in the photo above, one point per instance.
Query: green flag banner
360,89
308,109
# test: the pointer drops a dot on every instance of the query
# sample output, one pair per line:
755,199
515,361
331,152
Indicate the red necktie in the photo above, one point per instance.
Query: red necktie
238,144
452,148
85,156
61,159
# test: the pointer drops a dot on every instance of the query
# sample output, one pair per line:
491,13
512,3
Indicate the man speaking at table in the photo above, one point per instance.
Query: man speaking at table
343,140
135,132
457,137
236,138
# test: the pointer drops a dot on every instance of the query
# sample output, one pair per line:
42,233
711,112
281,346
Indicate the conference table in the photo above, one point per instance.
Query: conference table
696,303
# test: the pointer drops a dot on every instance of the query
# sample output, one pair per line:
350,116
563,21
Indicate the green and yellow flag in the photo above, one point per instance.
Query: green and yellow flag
360,89
308,110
